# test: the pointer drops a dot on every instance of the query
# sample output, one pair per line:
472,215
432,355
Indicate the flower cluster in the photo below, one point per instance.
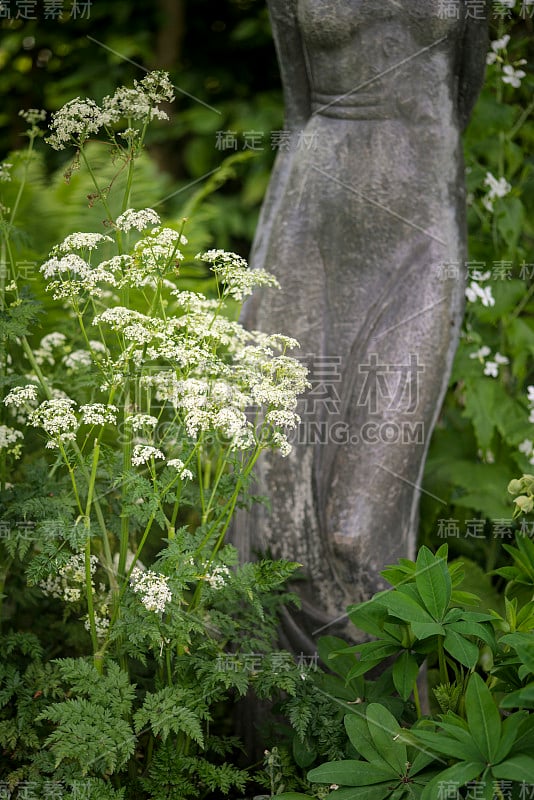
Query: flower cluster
153,588
73,275
143,453
491,367
475,291
217,577
140,220
5,172
497,188
21,395
9,440
99,414
511,75
232,271
57,419
78,119
69,583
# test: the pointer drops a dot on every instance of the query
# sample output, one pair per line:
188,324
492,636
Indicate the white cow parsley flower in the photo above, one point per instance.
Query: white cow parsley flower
5,172
74,123
142,453
140,220
81,241
20,395
9,440
153,588
99,414
57,419
217,577
233,272
179,466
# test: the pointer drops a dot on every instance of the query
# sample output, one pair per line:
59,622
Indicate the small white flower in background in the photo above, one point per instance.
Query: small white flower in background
140,421
491,368
527,447
475,291
9,440
139,103
20,395
73,572
497,188
33,115
179,466
99,414
5,172
513,76
501,359
217,577
77,359
140,220
142,453
232,270
57,419
153,588
496,46
282,419
279,442
530,394
481,353
53,340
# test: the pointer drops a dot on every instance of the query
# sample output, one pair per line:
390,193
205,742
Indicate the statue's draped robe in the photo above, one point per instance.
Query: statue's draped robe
363,225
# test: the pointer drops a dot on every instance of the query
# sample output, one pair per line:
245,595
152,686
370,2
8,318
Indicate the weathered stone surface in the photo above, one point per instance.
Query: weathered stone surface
363,224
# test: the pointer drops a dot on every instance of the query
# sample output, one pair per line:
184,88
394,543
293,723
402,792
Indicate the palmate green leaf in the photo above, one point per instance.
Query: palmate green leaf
377,792
361,739
521,698
423,630
461,649
517,768
385,732
447,745
509,732
458,774
400,604
433,582
330,651
405,671
351,773
483,717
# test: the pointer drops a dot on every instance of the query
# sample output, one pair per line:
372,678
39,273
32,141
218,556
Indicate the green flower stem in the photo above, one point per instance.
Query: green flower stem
416,699
98,661
98,189
443,675
98,510
23,181
126,466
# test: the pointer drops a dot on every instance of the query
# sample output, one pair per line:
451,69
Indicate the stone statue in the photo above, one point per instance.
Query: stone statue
363,224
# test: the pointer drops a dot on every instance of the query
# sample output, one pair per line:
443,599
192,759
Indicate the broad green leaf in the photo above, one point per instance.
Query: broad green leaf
458,774
433,583
447,745
377,792
362,667
422,630
483,717
405,671
421,760
330,651
361,739
350,773
404,607
461,649
294,796
508,735
385,731
373,650
521,698
517,768
469,628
